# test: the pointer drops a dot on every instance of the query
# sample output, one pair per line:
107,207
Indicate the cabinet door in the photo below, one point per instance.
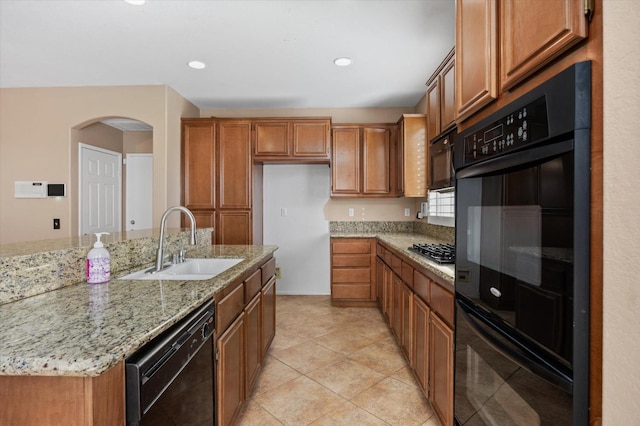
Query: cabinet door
271,138
268,314
345,161
253,342
407,327
397,307
233,227
441,369
433,109
311,138
198,164
376,153
234,163
532,33
447,96
420,348
476,55
388,294
230,372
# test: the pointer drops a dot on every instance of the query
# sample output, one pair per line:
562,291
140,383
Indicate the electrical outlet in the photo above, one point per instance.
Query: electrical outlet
407,212
278,273
56,223
351,212
283,212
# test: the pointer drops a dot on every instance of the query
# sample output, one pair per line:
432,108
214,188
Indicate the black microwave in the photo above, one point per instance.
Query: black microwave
441,172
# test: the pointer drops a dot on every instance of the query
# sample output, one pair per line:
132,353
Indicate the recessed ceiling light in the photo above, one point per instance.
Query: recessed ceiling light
136,2
342,62
197,65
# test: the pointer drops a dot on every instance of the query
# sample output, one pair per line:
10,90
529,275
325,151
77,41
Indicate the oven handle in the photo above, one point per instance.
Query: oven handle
515,159
511,348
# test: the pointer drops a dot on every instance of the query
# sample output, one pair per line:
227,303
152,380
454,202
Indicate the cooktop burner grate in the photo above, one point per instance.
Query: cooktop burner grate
440,253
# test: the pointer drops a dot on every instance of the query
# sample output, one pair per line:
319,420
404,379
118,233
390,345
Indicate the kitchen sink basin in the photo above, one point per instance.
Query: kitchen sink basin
190,269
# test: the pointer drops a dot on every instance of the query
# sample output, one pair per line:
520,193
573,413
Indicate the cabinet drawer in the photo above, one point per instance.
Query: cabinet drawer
442,302
229,307
349,247
421,286
351,275
351,291
356,260
268,270
252,286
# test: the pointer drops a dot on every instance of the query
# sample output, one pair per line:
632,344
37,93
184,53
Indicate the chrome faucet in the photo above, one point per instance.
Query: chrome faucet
163,222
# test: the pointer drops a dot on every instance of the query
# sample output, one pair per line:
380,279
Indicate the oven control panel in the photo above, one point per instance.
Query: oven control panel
521,127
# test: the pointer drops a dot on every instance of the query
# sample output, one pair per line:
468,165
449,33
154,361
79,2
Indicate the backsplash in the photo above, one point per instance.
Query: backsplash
31,268
444,233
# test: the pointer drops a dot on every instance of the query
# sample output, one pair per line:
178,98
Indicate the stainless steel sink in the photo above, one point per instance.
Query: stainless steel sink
190,269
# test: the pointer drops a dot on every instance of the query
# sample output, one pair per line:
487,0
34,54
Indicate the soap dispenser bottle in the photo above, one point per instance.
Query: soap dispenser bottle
98,262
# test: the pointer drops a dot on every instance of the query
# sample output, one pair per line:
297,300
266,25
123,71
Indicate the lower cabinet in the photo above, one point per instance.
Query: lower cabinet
419,312
242,345
353,278
441,368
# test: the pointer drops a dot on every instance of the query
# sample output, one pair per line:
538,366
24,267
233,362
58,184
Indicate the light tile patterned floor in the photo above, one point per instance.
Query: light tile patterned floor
334,366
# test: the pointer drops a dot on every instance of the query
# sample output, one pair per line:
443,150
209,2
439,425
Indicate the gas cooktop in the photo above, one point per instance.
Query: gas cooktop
440,253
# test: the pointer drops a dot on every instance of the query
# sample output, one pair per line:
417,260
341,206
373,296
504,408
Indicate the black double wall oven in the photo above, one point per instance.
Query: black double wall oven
522,259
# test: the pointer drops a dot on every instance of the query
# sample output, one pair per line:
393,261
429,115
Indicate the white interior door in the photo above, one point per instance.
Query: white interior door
139,191
100,197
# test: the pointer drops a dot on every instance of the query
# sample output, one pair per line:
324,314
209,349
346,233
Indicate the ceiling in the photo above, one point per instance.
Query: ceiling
259,54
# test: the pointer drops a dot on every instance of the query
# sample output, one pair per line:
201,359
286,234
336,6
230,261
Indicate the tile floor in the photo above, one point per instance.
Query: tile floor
334,366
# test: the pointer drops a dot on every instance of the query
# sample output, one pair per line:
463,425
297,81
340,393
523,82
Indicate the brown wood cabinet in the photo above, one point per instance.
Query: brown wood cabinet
64,400
218,177
245,319
476,55
413,155
230,371
534,33
292,140
420,315
441,368
352,274
500,43
199,169
441,108
364,161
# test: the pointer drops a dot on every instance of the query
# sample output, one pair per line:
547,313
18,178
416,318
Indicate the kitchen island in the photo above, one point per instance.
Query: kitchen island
62,352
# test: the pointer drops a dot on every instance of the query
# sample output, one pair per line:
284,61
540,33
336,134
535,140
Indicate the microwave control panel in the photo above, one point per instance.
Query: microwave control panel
522,127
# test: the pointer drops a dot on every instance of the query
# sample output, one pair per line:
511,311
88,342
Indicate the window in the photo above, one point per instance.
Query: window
442,207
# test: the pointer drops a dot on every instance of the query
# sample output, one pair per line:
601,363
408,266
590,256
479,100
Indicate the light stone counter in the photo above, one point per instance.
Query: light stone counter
84,329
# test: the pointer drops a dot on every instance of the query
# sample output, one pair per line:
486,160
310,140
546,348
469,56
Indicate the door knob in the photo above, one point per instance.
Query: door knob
133,222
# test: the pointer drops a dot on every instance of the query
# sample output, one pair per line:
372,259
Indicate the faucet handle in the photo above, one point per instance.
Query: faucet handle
181,255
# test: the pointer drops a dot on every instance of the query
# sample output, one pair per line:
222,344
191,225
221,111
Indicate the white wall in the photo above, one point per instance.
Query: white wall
303,234
621,245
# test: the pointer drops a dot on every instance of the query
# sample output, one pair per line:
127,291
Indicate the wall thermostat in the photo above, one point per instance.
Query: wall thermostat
30,189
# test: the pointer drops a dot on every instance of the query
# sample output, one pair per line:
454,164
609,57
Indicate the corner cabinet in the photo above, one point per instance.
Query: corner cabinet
353,278
364,161
291,140
245,314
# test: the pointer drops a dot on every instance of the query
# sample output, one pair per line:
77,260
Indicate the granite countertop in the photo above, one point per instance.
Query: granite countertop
84,329
401,242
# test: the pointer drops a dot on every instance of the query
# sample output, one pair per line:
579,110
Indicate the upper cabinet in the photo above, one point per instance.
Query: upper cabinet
533,33
476,55
364,161
291,140
499,43
412,147
441,109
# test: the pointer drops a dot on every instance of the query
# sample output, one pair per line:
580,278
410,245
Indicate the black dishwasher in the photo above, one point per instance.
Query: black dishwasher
170,380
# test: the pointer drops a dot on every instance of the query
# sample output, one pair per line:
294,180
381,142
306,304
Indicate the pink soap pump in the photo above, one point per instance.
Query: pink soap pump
98,262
